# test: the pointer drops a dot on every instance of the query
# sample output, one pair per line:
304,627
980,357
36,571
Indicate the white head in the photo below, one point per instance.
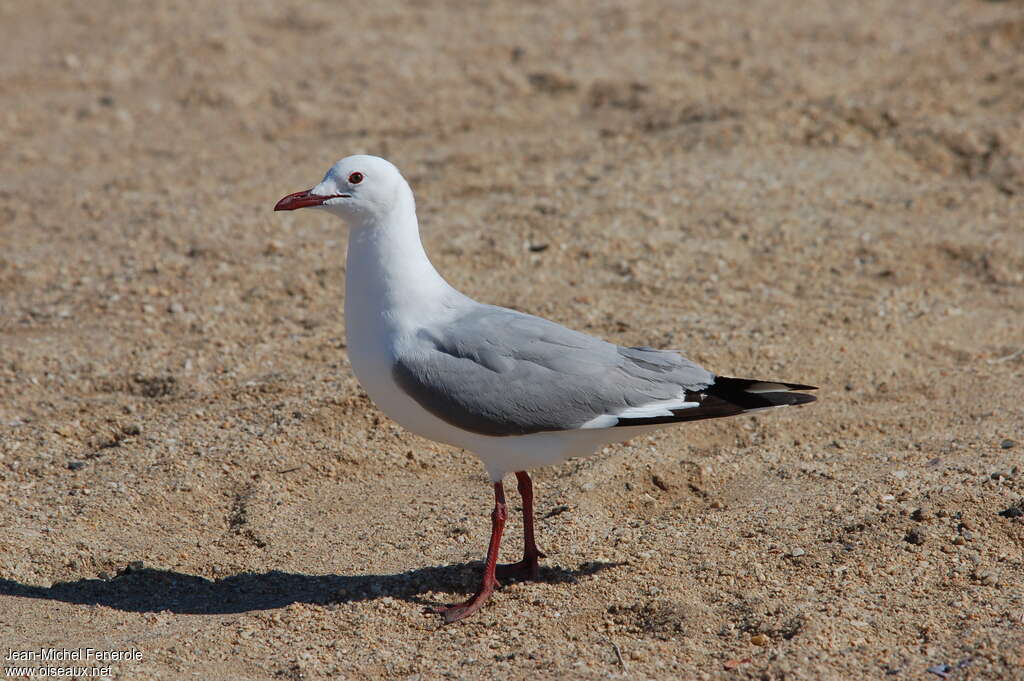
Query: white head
361,189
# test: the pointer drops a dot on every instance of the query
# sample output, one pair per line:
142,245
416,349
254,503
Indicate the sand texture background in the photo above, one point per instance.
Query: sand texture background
825,192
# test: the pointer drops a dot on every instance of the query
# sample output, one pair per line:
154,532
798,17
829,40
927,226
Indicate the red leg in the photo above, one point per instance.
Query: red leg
454,613
529,566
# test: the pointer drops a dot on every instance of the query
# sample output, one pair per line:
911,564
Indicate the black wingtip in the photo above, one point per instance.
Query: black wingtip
797,398
730,384
798,386
750,393
729,396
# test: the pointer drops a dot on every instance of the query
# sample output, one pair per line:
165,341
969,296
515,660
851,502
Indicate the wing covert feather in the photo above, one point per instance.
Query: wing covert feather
499,372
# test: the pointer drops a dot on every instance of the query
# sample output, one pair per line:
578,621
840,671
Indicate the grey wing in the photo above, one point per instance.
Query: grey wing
499,372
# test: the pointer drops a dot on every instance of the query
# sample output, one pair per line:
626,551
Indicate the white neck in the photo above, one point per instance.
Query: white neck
389,280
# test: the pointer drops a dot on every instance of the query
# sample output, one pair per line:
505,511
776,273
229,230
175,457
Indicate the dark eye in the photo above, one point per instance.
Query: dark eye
355,178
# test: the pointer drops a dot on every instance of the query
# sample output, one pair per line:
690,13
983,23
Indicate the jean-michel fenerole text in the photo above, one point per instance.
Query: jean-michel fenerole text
72,654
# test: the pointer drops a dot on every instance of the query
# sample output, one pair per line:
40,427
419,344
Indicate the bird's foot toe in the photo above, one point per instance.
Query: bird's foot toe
457,611
526,569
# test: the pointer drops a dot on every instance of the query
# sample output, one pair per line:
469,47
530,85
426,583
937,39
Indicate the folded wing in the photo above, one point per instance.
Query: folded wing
499,372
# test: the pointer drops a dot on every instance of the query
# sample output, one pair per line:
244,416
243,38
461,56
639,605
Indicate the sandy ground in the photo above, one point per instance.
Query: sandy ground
823,192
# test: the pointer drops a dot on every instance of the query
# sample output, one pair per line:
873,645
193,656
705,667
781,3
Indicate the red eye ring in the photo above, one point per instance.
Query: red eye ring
355,178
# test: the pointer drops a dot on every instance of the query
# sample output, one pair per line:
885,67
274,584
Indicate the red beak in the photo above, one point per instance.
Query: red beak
304,200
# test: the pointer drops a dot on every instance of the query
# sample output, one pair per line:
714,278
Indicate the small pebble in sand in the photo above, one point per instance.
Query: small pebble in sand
915,537
796,552
760,640
1015,511
1007,444
987,577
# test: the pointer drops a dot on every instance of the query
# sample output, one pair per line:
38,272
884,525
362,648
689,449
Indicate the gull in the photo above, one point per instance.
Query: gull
517,390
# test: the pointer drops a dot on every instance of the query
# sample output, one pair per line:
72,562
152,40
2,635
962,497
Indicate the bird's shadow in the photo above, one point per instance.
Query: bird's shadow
154,590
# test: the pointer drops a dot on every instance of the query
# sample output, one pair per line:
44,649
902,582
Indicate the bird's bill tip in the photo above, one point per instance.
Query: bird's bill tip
302,199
